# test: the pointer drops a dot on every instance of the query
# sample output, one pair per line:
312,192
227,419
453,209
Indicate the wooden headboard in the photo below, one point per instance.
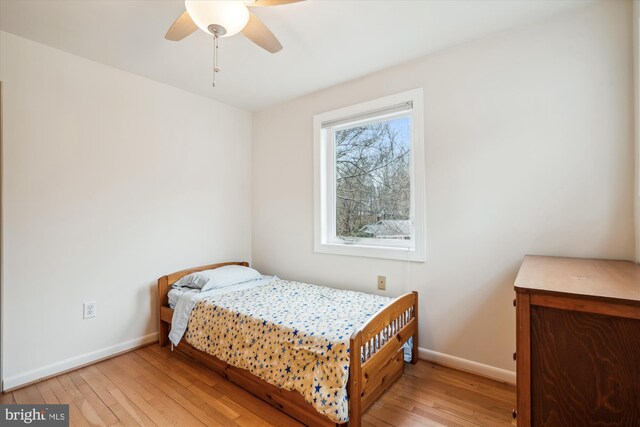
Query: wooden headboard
164,286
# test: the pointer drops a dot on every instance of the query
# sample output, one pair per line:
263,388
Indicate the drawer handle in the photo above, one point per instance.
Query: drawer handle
514,302
514,414
514,355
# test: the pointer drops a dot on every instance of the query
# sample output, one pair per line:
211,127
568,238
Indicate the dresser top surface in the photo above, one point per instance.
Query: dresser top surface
579,276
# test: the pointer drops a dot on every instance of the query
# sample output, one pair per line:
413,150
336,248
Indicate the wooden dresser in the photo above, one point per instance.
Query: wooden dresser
578,342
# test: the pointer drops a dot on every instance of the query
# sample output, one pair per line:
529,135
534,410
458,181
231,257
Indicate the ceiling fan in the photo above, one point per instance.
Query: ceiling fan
224,18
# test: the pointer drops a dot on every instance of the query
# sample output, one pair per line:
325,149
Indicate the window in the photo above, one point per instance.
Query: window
369,179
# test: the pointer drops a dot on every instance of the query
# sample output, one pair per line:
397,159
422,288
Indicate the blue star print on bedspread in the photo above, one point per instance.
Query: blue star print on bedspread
293,335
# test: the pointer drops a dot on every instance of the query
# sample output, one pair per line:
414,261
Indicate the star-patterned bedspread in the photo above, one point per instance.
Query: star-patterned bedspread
293,335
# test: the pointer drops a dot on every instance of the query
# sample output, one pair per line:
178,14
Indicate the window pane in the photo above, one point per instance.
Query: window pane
373,184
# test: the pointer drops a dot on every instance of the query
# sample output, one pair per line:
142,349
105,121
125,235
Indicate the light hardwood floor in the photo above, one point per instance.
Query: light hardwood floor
152,386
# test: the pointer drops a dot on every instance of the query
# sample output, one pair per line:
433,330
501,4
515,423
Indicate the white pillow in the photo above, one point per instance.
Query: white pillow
217,278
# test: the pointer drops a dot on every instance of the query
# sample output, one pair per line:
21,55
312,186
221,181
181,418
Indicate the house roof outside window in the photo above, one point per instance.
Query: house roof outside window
388,229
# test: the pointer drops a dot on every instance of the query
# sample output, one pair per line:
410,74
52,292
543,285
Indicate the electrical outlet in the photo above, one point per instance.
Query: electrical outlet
382,282
89,309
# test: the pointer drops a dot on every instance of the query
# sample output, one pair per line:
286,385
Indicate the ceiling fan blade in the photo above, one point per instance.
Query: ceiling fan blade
257,32
181,28
264,3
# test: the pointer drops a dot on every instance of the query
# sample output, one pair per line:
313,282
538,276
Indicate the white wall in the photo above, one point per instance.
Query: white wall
636,74
529,150
110,181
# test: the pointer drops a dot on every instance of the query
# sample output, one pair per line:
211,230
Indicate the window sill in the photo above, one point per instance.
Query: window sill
383,252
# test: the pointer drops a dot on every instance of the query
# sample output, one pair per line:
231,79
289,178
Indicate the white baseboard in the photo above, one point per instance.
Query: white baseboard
461,364
76,362
57,368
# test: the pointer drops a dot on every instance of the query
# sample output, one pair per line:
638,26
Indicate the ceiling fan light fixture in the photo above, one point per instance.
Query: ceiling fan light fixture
228,17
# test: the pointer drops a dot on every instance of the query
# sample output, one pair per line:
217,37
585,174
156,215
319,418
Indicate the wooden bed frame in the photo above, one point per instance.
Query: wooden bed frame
376,348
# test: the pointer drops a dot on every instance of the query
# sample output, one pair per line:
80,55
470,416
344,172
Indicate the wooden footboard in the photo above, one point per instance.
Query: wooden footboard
376,355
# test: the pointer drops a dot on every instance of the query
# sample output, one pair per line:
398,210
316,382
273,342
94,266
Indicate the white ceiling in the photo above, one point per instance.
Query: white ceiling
325,41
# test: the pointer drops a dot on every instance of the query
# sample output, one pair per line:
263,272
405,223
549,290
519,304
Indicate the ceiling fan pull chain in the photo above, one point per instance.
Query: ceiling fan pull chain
215,58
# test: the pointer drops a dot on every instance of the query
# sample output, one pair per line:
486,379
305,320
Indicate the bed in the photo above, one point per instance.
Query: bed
328,379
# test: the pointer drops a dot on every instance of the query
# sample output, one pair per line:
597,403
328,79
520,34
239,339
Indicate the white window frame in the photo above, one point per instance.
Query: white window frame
325,240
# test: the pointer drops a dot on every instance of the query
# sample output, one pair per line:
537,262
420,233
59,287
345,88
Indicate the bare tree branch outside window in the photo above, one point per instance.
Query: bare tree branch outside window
373,184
